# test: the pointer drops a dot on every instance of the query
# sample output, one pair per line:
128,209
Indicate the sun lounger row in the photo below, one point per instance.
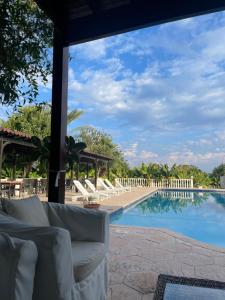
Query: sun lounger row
107,189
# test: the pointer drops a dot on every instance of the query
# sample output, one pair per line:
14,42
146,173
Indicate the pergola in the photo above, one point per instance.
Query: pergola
78,21
90,158
13,141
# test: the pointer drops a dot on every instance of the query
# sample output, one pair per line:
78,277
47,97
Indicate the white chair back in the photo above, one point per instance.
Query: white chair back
90,185
109,184
80,188
102,183
118,183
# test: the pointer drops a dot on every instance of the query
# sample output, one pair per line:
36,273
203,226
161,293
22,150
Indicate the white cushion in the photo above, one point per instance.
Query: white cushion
29,210
86,257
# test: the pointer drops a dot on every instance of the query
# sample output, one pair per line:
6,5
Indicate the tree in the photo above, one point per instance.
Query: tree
73,115
32,120
216,173
72,153
25,59
101,143
162,171
35,120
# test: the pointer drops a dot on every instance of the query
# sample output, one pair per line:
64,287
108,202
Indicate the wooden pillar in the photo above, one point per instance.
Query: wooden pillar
87,170
96,172
56,191
108,170
78,170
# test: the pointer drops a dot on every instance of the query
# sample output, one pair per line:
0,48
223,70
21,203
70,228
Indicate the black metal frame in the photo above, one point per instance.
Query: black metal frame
72,29
164,279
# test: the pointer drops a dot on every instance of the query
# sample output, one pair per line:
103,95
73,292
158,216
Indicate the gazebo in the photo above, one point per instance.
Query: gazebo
14,141
78,21
90,158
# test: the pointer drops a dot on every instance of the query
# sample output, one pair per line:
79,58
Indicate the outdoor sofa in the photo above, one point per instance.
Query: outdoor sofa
52,251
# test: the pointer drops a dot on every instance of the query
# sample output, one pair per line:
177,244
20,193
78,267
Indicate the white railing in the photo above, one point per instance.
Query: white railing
186,195
164,183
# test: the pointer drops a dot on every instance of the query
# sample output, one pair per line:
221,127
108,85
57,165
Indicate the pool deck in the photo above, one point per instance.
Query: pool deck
119,201
137,255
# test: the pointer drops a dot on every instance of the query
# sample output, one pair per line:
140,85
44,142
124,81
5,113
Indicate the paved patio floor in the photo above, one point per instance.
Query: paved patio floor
138,255
114,203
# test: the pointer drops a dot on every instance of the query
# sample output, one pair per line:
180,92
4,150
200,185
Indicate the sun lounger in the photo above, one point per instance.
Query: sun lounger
85,194
120,185
93,189
105,187
119,189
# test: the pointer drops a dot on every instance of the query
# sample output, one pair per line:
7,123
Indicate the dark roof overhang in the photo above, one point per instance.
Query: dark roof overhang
86,20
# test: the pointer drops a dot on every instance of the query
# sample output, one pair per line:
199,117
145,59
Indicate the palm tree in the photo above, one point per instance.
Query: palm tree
72,153
73,115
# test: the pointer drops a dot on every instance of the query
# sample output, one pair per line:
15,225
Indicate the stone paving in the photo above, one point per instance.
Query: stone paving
138,255
112,204
120,200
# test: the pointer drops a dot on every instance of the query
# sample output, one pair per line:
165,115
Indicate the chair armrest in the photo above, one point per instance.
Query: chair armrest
83,224
18,260
54,273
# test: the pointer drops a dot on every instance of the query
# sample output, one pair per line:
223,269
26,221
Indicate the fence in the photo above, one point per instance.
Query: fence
186,195
164,183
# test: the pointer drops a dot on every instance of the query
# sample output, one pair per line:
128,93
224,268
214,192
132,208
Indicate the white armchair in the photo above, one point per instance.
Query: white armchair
71,261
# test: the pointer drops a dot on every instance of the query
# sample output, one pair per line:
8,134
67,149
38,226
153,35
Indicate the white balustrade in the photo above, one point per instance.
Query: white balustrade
164,183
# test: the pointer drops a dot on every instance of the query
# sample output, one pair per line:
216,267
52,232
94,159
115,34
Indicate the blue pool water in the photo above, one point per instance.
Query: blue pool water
199,215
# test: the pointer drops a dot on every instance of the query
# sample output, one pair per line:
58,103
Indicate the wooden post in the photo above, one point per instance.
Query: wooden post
96,172
108,170
87,170
56,191
78,171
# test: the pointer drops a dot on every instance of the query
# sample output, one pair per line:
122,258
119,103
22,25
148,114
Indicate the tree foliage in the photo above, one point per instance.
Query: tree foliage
32,120
25,59
100,142
163,171
216,173
35,120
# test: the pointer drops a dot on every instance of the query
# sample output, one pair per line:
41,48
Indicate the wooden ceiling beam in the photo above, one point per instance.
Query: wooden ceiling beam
139,14
95,6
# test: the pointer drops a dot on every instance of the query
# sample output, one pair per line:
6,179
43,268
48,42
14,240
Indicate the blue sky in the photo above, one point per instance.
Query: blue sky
160,91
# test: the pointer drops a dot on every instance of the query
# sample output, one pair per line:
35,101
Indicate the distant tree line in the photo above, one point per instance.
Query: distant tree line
163,171
35,121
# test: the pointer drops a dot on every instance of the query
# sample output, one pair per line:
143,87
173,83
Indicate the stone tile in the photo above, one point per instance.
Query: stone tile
123,292
182,247
187,270
148,297
129,264
136,253
194,259
205,251
116,277
142,282
219,260
210,272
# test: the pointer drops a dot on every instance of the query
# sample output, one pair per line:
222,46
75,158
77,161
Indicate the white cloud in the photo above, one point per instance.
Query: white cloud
164,83
92,50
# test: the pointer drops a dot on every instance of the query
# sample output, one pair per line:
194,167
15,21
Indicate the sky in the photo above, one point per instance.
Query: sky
159,91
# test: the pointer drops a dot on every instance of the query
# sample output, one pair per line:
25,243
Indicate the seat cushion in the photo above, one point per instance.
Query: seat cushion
86,257
29,210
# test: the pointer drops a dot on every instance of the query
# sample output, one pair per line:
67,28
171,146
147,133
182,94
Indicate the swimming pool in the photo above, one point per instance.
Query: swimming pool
199,215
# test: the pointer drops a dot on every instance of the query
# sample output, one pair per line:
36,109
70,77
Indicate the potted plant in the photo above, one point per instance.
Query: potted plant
91,204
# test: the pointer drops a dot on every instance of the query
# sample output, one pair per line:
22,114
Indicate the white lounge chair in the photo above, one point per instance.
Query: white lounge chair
85,194
128,188
93,189
113,188
106,188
